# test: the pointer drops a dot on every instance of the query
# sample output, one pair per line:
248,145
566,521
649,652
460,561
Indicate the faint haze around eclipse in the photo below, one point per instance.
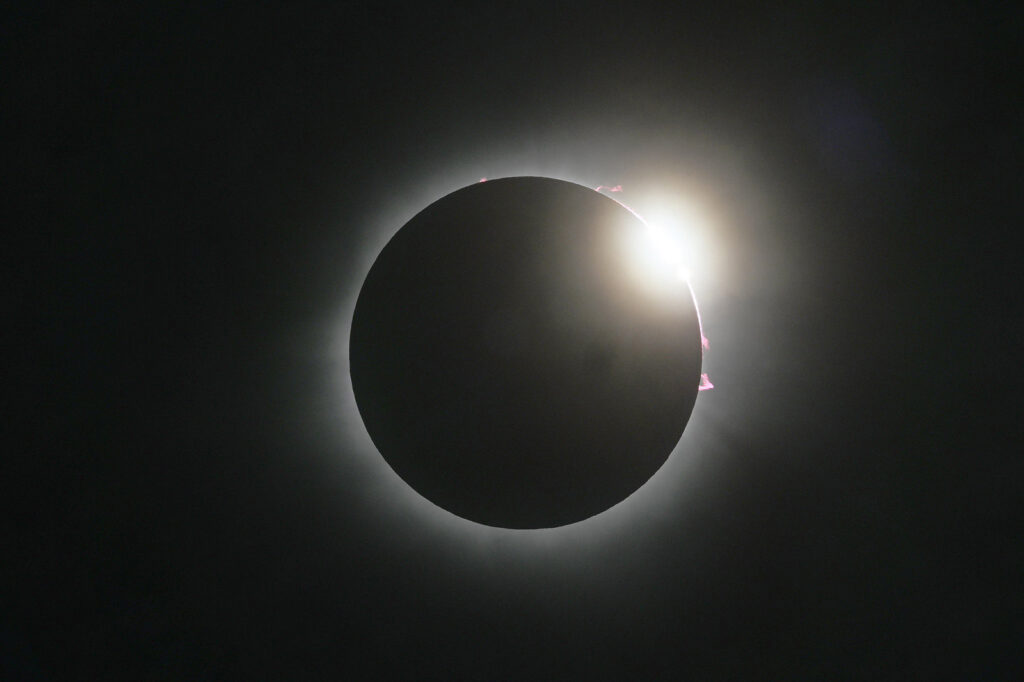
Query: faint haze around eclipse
198,193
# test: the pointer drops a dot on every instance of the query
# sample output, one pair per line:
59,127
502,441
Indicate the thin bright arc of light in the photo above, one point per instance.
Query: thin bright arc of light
454,535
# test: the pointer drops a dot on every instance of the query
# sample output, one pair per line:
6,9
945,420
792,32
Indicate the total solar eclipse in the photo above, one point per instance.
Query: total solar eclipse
515,363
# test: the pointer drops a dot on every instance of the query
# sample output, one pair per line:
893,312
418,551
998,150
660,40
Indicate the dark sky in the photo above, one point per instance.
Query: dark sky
194,197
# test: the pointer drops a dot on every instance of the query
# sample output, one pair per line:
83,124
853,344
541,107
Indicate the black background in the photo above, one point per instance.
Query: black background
194,194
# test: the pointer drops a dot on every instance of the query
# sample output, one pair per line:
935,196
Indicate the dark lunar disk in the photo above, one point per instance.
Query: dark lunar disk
510,366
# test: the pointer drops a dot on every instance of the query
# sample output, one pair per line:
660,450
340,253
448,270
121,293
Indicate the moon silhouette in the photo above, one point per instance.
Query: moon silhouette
508,363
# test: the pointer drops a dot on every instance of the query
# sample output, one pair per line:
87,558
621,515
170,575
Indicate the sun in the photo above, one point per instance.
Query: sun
663,255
